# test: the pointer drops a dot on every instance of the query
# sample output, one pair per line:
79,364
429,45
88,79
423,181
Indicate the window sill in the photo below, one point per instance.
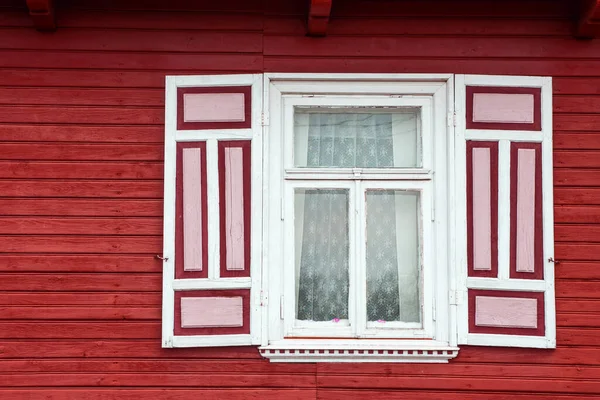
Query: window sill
361,350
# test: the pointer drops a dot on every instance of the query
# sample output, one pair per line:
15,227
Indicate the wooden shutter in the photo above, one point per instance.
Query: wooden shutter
505,287
211,275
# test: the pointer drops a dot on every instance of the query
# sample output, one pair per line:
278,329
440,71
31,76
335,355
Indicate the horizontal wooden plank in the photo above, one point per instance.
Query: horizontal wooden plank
500,355
81,282
577,214
577,233
133,40
162,394
576,270
239,6
576,85
458,370
36,77
178,380
578,305
82,96
578,320
577,196
399,394
443,383
123,135
441,8
576,252
491,66
577,159
576,140
82,207
87,313
81,170
440,47
80,330
577,337
81,152
79,188
118,348
196,63
576,104
575,177
83,115
581,122
81,226
180,366
81,298
81,244
159,20
589,290
421,26
78,263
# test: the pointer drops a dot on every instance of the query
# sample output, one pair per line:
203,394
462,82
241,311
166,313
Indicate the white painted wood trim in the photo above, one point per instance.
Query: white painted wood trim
212,284
527,285
168,296
212,341
213,200
504,209
538,342
548,212
515,136
213,134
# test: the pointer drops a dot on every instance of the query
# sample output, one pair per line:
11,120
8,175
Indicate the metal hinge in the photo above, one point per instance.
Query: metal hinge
433,310
281,307
452,119
264,299
456,297
264,119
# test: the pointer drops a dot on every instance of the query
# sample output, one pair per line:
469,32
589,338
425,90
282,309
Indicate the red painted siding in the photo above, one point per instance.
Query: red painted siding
81,144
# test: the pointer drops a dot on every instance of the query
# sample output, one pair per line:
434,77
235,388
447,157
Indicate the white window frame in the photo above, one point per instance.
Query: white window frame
435,94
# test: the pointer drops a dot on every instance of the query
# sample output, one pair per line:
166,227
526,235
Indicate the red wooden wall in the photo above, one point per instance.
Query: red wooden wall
81,147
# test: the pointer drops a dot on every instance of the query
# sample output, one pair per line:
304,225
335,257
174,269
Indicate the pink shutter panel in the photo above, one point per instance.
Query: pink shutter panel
191,228
234,187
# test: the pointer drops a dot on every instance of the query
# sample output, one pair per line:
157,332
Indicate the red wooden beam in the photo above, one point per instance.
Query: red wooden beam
588,25
42,14
318,17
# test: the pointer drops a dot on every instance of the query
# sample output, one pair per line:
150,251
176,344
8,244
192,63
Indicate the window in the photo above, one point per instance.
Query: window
362,254
340,217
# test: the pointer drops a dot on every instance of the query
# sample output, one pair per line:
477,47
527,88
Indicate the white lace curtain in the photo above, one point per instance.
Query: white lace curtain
322,247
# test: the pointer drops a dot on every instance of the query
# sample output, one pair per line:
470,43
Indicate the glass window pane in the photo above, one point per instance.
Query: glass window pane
392,256
361,138
322,251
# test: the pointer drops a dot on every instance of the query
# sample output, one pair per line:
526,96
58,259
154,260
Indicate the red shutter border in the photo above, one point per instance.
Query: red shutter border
493,146
537,108
246,147
244,329
245,90
538,296
538,272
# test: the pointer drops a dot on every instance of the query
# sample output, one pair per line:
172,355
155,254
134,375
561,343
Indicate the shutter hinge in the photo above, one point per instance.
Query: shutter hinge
457,297
452,119
433,310
264,119
264,299
281,307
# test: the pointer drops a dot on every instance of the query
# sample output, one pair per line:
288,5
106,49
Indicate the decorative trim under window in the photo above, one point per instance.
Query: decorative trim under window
363,350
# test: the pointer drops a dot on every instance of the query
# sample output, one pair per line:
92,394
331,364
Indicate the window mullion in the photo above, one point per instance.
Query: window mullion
360,288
